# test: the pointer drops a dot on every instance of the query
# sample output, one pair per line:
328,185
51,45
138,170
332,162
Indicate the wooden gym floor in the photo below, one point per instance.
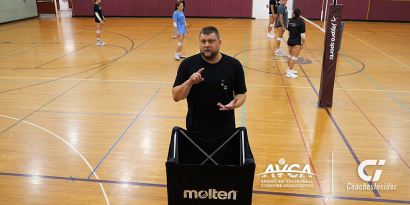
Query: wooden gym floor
68,107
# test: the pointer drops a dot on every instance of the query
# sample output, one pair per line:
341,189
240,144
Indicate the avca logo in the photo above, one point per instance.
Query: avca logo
287,169
210,194
293,171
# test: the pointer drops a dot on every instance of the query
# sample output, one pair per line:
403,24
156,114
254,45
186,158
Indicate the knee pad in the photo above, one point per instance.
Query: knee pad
279,39
98,31
180,43
294,58
290,57
271,25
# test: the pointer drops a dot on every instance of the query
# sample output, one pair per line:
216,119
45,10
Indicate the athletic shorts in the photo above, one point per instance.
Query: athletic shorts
275,10
181,29
96,20
294,42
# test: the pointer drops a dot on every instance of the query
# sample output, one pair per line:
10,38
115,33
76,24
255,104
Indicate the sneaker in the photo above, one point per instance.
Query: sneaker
176,57
279,53
181,56
291,71
270,35
100,43
174,37
291,75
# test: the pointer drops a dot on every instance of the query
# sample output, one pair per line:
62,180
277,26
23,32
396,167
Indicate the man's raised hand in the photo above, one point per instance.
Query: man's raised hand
196,77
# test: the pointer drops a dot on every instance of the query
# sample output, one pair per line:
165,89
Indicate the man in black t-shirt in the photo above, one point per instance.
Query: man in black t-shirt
213,83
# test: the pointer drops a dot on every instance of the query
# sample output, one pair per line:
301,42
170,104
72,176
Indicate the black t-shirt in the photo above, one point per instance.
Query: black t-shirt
275,6
296,27
221,81
97,8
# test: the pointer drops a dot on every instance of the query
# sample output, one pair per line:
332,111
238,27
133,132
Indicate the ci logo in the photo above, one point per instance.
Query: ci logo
377,174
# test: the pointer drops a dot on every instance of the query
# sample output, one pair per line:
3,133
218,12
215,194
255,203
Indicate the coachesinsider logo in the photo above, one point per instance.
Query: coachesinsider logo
291,171
363,176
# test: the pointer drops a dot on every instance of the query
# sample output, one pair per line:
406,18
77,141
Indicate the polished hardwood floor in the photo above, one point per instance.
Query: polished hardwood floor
68,107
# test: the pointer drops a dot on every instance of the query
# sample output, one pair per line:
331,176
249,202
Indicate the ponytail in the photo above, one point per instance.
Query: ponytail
297,14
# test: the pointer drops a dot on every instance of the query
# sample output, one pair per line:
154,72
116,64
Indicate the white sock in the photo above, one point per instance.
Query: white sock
179,53
176,53
277,50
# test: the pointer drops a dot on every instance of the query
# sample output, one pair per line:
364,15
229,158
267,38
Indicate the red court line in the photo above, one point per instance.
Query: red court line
297,122
357,106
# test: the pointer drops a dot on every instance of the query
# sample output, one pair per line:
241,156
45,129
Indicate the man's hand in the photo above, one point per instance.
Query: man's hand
229,106
196,77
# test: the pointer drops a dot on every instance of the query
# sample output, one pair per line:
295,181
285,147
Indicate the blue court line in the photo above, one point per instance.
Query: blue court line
163,186
244,70
387,92
123,133
376,193
400,103
400,95
84,113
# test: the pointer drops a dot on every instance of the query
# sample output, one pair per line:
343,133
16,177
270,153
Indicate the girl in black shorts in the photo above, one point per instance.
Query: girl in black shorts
273,11
296,41
99,19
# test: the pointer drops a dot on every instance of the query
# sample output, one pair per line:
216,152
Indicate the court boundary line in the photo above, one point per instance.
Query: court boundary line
297,121
164,186
124,133
339,130
368,119
72,147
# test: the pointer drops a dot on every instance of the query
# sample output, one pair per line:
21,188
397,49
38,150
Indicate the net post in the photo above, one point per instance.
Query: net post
332,35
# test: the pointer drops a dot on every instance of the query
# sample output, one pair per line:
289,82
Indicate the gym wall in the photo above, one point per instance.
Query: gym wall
12,10
194,8
379,10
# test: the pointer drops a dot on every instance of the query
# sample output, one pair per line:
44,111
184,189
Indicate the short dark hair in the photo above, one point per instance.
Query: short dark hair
177,5
208,30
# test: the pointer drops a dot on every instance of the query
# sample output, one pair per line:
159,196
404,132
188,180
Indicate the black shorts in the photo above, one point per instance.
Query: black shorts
294,42
96,20
275,10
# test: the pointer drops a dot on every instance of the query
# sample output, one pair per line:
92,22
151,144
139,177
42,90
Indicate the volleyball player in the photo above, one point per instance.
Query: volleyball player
99,19
180,27
296,41
175,31
273,10
282,25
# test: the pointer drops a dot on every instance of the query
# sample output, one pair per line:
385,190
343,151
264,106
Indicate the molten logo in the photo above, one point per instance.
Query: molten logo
210,194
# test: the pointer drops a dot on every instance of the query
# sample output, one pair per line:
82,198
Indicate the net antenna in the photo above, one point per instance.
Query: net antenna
321,14
324,23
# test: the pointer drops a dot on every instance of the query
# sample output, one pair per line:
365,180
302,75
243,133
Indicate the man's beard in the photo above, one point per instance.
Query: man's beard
210,57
